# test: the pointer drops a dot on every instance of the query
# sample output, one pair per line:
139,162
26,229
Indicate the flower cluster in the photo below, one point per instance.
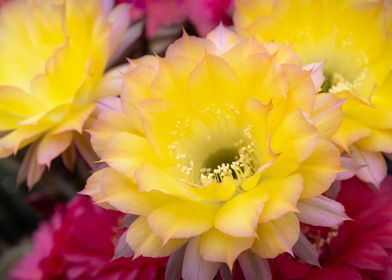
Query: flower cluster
78,243
228,154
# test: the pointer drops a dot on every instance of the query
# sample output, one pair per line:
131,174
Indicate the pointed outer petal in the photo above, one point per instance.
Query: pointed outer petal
144,242
301,92
285,54
223,38
150,178
125,152
194,267
213,81
190,47
122,248
119,18
321,211
320,169
69,157
93,189
108,103
294,140
174,265
317,74
327,114
107,124
119,191
284,194
25,168
85,150
262,78
127,39
51,146
375,167
216,246
21,137
277,236
180,220
30,170
137,81
241,52
110,84
349,132
254,267
305,251
350,167
75,120
240,215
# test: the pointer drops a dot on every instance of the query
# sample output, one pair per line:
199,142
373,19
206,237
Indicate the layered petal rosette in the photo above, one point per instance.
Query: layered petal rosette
53,55
353,40
221,147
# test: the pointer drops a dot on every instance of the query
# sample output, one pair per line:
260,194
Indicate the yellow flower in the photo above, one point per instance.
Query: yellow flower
218,146
53,55
353,40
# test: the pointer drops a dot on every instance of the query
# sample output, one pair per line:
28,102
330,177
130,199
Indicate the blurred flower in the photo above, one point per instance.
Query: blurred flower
53,56
217,146
356,67
204,14
78,243
359,249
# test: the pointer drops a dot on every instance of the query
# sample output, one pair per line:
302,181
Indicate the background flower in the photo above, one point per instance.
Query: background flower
356,67
203,14
358,249
53,56
78,243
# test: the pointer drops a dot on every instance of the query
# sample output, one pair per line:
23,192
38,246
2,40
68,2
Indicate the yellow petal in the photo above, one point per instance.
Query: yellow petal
327,114
125,152
317,172
180,220
277,236
190,47
239,216
216,246
116,189
106,125
284,194
213,81
144,242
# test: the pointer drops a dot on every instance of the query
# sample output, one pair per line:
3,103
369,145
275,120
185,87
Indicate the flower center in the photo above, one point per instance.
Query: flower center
238,163
335,82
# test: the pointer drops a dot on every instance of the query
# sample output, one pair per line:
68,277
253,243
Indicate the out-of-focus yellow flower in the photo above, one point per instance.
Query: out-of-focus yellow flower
353,40
218,145
53,55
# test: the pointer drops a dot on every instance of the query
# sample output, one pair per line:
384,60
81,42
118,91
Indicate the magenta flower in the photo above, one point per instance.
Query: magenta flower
204,14
359,249
78,243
